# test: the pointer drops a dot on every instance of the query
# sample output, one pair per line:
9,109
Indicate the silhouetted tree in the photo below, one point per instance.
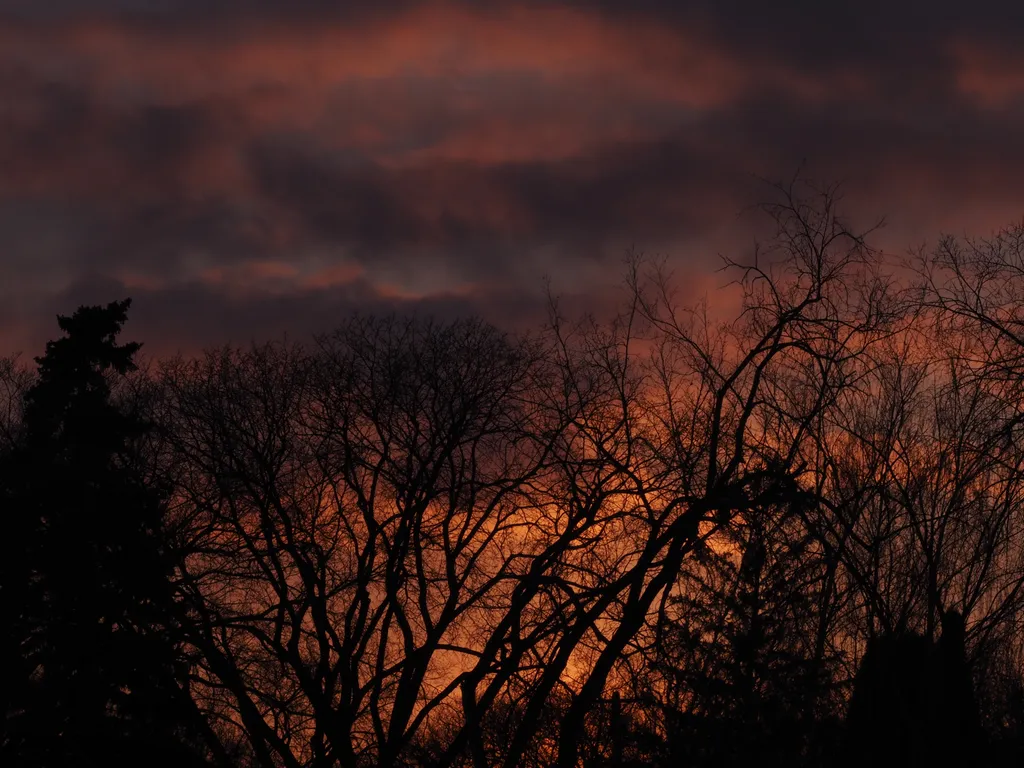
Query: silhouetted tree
663,538
362,518
738,649
15,379
87,608
912,702
415,519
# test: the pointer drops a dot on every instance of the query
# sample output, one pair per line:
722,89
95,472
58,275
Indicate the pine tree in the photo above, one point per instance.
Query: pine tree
89,652
738,658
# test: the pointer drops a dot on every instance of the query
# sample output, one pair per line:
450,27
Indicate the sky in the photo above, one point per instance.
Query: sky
249,169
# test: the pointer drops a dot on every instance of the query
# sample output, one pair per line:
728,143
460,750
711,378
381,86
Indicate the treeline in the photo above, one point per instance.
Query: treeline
665,539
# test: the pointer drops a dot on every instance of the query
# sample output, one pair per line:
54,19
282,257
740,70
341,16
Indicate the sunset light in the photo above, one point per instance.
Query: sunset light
511,384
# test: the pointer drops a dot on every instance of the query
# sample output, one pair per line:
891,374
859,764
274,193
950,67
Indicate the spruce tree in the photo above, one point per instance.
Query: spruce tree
90,660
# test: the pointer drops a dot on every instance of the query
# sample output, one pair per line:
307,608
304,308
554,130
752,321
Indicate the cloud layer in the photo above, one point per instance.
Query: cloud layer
248,171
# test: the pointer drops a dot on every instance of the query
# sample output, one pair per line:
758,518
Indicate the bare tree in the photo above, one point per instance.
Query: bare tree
15,379
733,411
971,294
357,514
436,540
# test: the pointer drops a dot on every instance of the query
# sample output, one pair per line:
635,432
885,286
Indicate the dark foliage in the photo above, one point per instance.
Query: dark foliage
89,662
913,703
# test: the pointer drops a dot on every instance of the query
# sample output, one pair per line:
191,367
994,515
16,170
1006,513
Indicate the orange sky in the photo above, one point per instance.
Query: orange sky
253,171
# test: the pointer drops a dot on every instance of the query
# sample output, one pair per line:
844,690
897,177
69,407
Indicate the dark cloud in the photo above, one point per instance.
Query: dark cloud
647,188
245,169
205,316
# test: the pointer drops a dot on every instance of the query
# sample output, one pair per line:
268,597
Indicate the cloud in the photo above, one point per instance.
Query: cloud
247,170
205,315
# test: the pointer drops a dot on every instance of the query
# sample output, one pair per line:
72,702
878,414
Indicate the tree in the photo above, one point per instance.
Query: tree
912,703
737,649
88,610
421,535
359,518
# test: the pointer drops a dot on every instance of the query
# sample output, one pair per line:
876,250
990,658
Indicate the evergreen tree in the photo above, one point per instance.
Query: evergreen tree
90,664
739,661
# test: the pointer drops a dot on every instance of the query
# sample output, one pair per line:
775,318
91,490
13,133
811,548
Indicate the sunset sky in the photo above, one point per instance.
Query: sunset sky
269,167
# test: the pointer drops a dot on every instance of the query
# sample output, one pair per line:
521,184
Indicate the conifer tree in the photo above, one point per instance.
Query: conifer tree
90,661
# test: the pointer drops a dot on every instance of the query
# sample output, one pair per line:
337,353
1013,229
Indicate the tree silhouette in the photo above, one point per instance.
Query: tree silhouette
89,660
912,701
663,539
737,649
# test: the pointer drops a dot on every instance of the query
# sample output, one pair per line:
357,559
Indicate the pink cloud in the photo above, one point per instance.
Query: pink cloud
993,77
